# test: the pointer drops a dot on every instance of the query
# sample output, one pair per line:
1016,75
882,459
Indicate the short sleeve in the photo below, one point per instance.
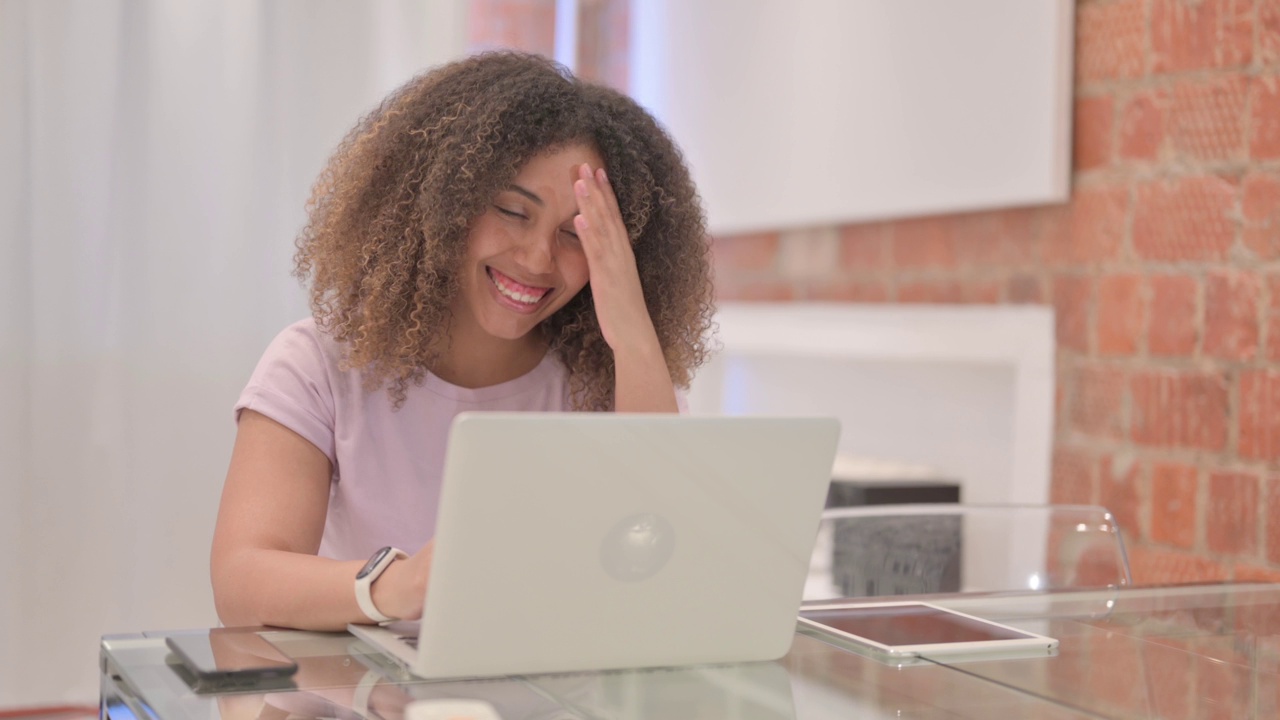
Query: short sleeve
293,385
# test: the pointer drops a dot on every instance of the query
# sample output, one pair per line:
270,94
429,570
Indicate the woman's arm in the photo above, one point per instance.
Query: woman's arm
642,382
264,565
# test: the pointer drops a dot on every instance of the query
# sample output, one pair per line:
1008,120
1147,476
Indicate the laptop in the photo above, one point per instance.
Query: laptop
595,541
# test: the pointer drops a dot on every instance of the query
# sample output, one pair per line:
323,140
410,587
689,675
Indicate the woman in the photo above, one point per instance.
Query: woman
497,235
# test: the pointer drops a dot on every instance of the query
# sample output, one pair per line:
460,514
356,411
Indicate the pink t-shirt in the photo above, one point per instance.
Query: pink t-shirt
387,463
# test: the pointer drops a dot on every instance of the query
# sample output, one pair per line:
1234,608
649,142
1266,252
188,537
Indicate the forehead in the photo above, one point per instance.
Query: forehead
559,165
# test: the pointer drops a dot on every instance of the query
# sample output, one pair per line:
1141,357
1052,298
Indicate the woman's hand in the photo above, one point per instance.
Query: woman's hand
399,592
611,263
642,381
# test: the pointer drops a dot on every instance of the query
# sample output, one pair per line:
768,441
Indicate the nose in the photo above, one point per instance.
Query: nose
537,254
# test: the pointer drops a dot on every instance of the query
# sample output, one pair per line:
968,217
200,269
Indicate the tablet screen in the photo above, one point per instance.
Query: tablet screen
900,625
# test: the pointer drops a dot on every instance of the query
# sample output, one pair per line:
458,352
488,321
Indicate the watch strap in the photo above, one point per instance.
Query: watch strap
363,691
364,585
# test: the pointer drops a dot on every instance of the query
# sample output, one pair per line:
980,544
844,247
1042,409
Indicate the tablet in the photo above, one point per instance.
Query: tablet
907,629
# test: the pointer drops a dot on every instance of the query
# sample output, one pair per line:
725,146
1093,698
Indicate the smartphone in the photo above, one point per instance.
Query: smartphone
225,659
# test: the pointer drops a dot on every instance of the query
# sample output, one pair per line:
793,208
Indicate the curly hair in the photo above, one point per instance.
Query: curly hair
389,217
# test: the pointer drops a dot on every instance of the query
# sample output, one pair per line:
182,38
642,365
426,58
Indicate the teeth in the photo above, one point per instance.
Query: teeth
525,298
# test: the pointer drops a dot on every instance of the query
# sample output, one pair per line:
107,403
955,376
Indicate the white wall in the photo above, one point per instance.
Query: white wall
157,157
821,112
15,332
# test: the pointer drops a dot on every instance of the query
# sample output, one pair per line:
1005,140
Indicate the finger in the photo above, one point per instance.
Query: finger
589,222
589,197
602,205
588,239
598,204
609,197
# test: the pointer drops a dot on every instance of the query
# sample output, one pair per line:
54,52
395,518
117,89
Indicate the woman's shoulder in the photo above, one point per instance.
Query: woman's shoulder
304,340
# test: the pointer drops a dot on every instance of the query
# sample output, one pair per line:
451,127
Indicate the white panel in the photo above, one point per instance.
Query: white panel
967,390
829,111
956,417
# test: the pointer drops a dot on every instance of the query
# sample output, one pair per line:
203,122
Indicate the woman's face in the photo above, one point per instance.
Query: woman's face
524,261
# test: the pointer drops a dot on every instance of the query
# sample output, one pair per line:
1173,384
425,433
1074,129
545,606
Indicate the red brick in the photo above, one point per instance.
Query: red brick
1200,34
1260,207
1261,201
1120,310
1120,491
1073,476
1173,504
746,252
1020,228
1180,410
1150,566
1110,40
1272,519
864,247
1072,301
1207,119
1062,376
1185,219
1223,689
1142,126
981,292
604,47
922,243
1257,621
930,291
1170,670
983,240
1174,318
1092,129
1232,515
767,290
1090,229
521,24
1259,415
858,291
1273,319
1264,136
1232,324
1108,684
1268,49
1025,289
1254,573
1097,405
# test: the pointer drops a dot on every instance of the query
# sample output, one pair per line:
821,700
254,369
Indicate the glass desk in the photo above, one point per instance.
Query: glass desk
1180,652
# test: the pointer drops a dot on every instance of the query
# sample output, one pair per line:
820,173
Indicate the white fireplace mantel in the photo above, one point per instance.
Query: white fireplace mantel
968,390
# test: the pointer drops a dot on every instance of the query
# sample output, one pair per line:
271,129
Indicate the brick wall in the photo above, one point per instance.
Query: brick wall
1164,271
528,25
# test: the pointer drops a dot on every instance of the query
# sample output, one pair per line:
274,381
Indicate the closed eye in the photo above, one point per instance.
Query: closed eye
510,213
571,234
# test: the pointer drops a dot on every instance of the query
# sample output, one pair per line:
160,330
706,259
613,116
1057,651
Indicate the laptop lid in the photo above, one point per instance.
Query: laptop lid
583,541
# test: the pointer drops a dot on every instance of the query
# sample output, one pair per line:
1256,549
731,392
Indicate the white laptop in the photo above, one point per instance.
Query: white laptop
593,541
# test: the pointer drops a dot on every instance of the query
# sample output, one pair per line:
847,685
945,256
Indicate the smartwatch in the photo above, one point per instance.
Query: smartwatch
378,562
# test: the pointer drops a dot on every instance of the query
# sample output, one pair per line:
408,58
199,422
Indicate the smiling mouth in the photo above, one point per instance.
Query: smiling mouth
521,296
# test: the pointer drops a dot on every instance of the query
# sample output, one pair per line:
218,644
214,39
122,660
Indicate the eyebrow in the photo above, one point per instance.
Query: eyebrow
527,193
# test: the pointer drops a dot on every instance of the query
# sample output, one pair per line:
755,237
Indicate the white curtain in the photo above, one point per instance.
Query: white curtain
154,162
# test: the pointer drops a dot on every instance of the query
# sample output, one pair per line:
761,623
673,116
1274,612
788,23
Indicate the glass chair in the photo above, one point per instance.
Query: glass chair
884,550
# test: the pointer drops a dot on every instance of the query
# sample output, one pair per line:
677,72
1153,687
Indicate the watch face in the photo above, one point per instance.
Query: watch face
373,562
